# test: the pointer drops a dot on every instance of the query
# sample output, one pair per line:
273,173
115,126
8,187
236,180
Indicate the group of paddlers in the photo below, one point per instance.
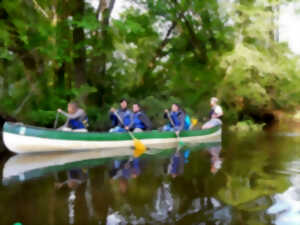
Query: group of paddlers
123,119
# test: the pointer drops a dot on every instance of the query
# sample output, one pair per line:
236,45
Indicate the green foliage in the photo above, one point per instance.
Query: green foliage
259,72
53,52
246,127
83,91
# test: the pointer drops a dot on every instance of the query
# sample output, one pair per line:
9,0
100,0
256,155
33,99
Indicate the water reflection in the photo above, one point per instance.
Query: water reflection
126,185
28,166
177,161
216,161
286,207
125,168
75,177
206,184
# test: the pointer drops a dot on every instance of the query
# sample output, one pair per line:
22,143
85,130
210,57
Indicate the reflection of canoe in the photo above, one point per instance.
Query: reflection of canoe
21,138
27,166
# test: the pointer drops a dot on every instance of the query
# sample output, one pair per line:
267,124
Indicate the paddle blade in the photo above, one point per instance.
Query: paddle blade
194,122
139,148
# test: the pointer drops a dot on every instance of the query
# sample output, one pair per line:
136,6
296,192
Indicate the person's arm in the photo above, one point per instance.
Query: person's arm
114,119
128,119
218,112
79,113
181,119
146,121
166,114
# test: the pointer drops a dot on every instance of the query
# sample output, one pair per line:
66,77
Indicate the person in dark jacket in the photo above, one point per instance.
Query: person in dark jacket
176,117
122,118
141,121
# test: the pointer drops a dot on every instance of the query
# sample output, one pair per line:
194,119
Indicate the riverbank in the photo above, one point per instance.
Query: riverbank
286,121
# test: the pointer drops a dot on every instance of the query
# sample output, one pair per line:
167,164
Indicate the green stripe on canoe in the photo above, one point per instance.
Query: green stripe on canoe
25,130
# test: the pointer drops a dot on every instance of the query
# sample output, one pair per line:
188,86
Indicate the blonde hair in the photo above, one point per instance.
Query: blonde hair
214,99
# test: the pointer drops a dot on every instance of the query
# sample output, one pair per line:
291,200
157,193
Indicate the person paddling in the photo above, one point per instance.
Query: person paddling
176,117
141,121
215,114
77,119
122,113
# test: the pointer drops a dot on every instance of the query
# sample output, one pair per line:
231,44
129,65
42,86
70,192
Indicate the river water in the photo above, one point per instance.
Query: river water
247,181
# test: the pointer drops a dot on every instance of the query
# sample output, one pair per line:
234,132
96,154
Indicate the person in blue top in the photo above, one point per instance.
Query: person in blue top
177,117
77,119
141,122
122,119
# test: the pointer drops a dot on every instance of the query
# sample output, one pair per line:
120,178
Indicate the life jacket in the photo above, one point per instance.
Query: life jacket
175,118
78,123
135,166
125,116
187,122
137,122
176,165
211,112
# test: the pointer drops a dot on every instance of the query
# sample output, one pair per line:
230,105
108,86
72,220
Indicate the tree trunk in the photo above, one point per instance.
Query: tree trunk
79,47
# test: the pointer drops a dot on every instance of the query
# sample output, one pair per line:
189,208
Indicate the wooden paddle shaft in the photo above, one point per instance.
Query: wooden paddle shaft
56,118
120,119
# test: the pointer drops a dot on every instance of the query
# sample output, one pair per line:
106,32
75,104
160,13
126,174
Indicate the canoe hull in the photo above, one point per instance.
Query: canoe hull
19,142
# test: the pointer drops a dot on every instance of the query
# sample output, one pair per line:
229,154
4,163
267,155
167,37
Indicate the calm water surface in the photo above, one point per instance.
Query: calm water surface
254,182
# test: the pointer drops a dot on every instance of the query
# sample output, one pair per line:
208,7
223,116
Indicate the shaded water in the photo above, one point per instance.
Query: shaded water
254,181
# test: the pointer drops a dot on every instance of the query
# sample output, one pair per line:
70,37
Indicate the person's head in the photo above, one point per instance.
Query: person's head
72,107
214,101
175,107
136,107
73,184
123,185
123,103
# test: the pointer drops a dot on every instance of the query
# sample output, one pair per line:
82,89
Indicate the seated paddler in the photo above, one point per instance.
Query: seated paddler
77,119
141,121
122,119
215,114
176,119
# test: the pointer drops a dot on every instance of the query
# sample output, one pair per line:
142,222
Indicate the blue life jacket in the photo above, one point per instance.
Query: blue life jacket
77,123
187,122
211,112
136,166
175,118
175,165
137,123
125,116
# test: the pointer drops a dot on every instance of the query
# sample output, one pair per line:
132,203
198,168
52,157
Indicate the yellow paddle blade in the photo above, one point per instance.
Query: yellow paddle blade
139,148
194,121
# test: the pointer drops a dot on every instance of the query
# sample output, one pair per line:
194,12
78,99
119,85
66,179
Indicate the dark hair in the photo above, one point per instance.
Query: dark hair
123,99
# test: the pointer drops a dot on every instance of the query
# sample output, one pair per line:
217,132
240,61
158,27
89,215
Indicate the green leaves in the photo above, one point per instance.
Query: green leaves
188,49
83,91
88,21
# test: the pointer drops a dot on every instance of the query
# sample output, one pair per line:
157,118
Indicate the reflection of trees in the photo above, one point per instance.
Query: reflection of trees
248,178
238,193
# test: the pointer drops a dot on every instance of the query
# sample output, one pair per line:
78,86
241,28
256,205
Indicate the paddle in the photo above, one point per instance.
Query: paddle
139,147
177,133
56,119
